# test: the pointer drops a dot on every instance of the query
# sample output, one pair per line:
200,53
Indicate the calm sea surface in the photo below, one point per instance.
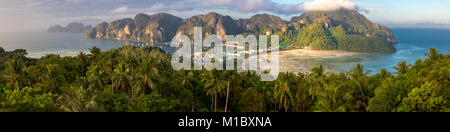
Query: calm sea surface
41,43
414,43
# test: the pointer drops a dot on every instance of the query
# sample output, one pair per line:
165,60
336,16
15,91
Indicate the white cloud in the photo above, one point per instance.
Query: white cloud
216,2
370,10
255,6
327,5
120,10
18,13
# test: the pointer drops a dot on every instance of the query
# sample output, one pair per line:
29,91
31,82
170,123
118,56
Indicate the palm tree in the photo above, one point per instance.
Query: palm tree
363,93
129,57
402,67
231,79
384,73
331,99
53,76
122,79
95,52
147,76
283,94
77,99
95,77
187,82
186,79
15,70
302,99
2,51
213,86
109,64
318,81
82,62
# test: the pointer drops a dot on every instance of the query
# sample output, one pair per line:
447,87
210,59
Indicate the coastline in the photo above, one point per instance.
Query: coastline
319,53
289,59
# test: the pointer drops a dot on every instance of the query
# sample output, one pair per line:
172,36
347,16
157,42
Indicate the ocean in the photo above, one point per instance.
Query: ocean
41,43
413,45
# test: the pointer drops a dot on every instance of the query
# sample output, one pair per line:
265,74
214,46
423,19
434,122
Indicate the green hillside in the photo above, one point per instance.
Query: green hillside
130,79
338,30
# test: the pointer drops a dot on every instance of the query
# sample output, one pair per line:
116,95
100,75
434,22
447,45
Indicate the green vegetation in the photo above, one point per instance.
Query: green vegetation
318,37
345,30
130,79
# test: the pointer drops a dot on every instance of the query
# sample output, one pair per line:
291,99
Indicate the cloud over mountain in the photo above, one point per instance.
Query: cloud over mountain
49,12
326,5
120,10
258,6
97,6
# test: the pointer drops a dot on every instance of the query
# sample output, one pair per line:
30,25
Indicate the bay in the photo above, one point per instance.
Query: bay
413,44
41,43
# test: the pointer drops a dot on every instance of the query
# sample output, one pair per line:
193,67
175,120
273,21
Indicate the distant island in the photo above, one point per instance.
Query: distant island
73,27
345,30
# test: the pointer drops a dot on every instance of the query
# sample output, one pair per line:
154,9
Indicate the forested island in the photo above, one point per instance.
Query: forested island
74,27
343,29
140,79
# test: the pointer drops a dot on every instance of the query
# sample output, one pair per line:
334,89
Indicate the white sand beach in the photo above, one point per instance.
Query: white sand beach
289,59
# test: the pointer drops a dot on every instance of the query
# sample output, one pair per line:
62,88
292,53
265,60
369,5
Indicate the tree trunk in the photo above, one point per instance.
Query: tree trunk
193,106
12,84
262,101
212,102
215,102
112,83
285,107
228,92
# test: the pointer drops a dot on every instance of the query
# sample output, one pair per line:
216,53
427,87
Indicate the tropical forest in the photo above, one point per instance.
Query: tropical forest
141,79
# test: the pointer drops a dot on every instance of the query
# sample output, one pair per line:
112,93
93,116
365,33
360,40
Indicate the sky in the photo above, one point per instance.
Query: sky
16,15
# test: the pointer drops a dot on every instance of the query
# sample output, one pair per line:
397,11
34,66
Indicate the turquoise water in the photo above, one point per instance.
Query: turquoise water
414,43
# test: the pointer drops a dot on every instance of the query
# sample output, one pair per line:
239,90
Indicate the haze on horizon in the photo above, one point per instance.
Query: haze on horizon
18,15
